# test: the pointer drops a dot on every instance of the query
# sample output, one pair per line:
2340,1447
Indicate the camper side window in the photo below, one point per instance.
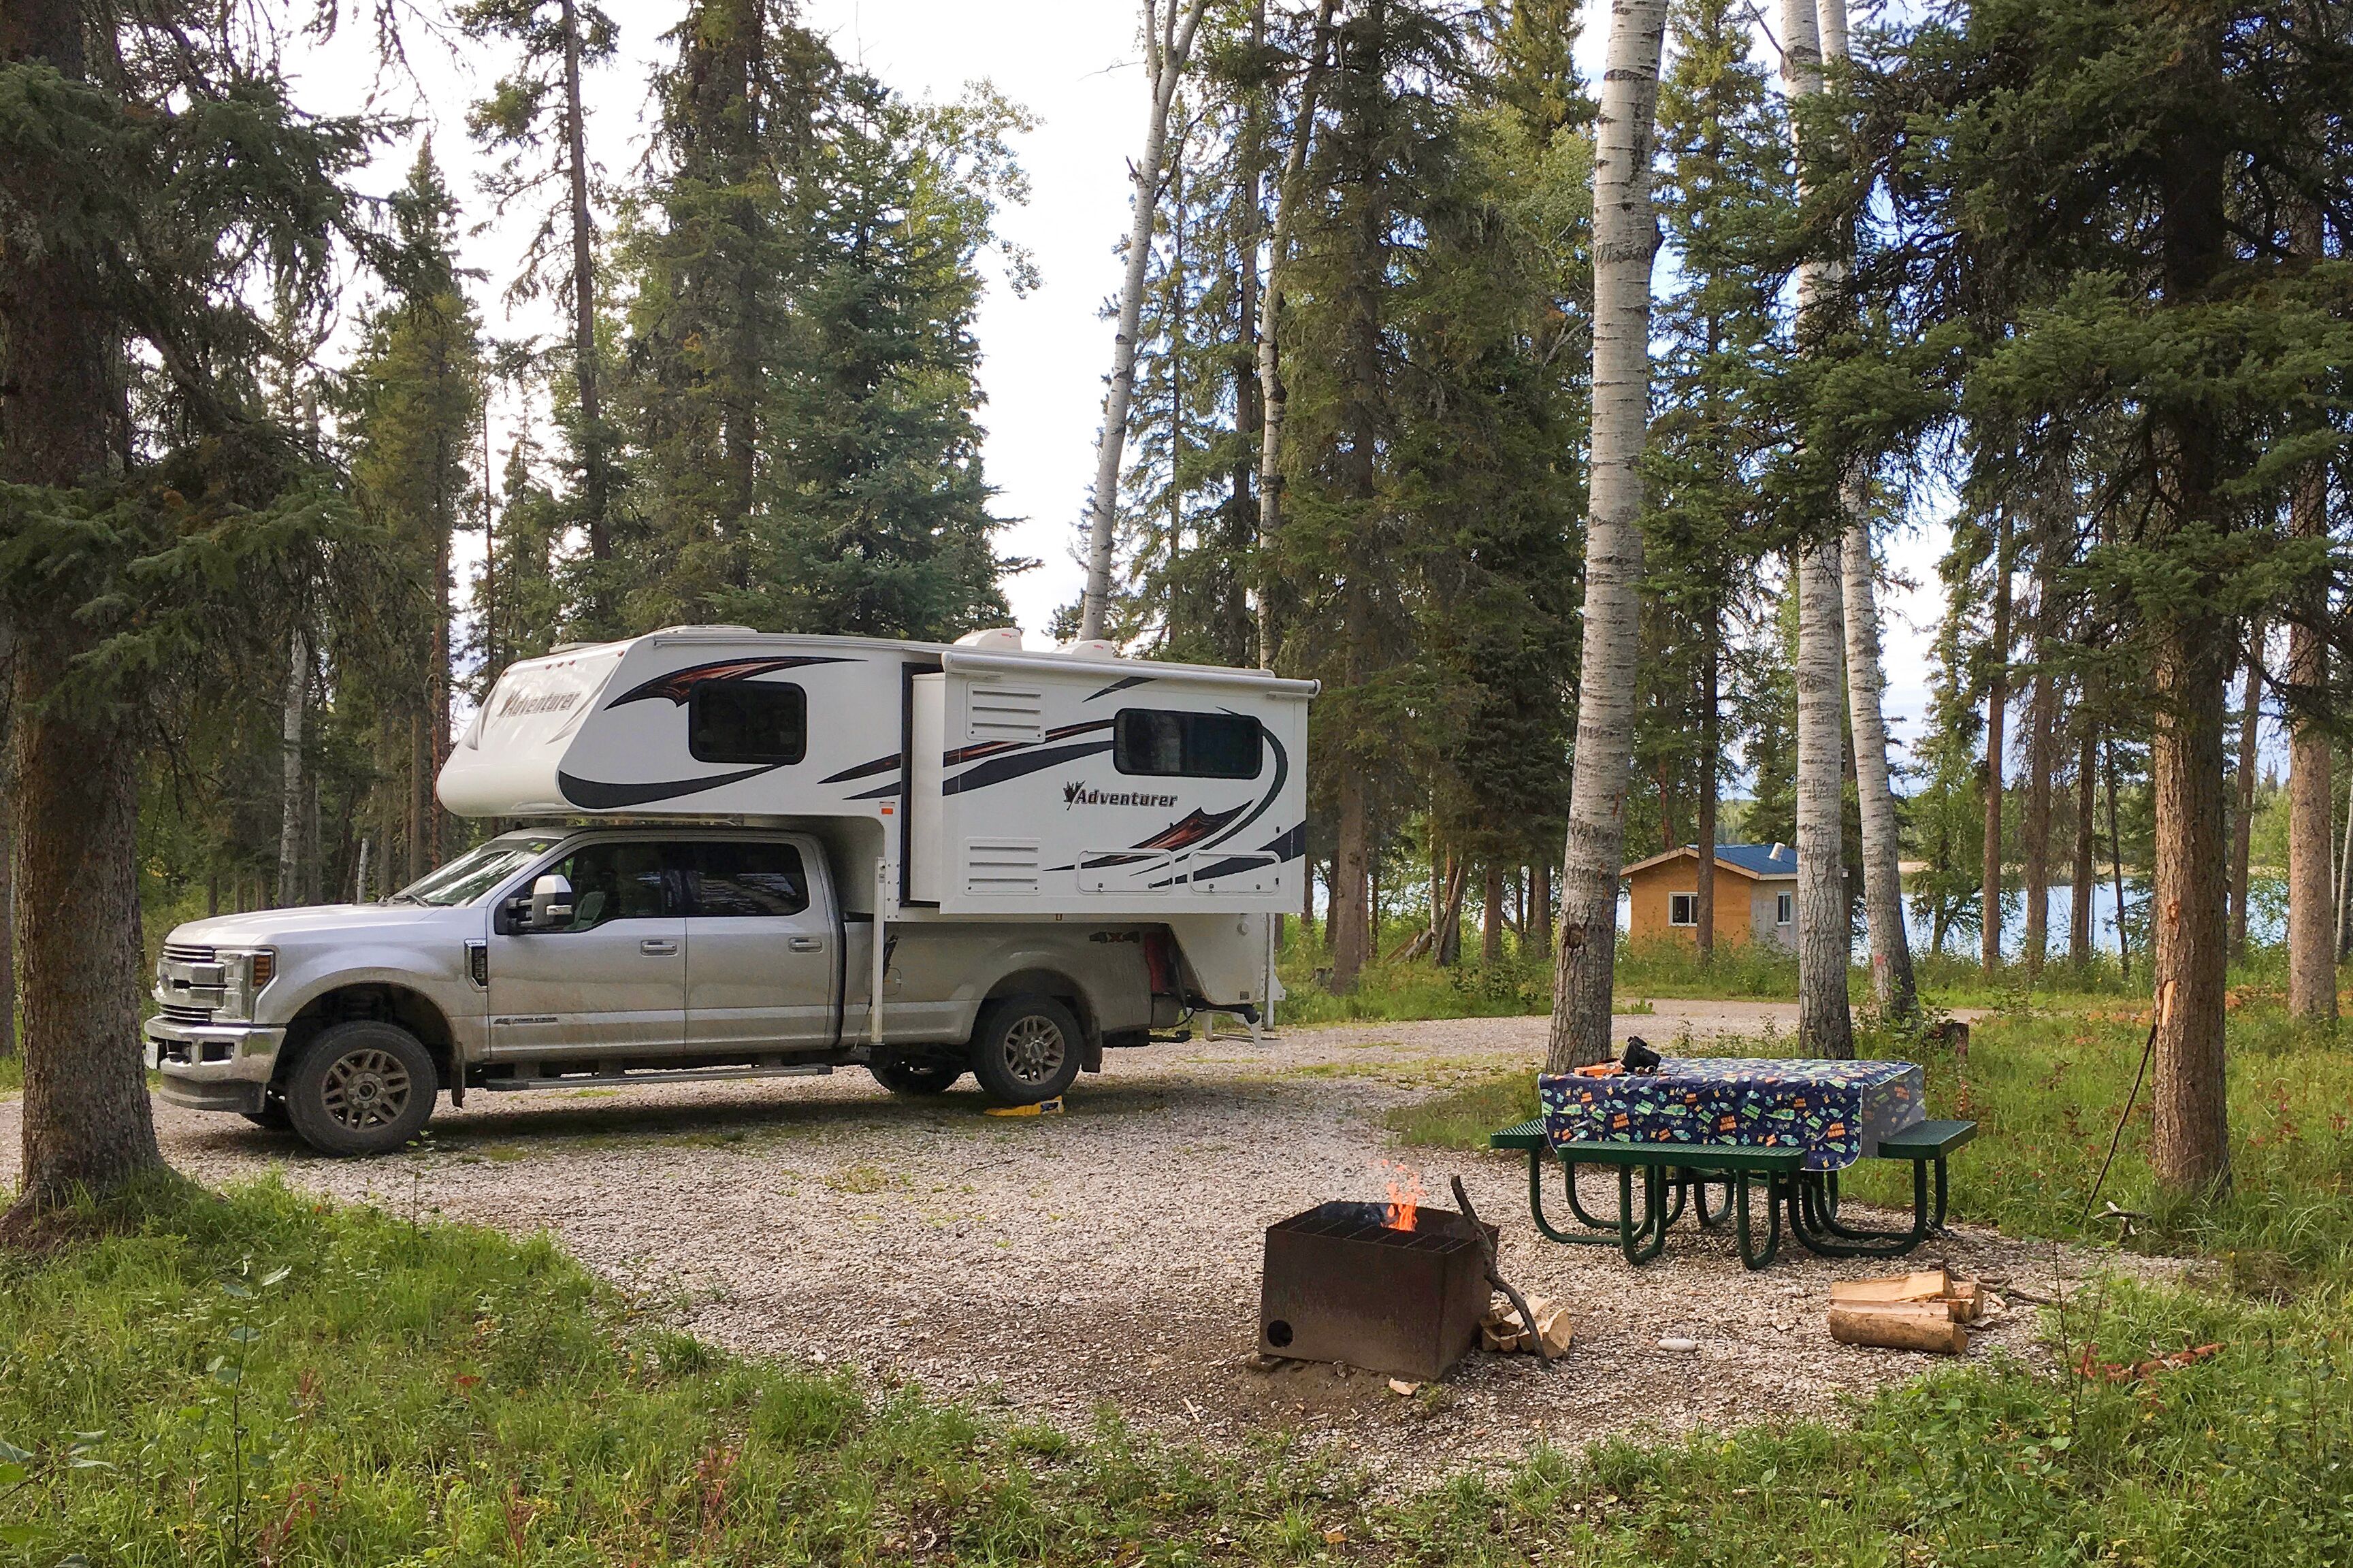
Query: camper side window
1187,745
746,721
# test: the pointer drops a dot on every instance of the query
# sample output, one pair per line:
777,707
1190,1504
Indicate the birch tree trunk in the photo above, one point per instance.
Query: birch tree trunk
1825,1022
290,756
1164,48
1625,237
1273,397
2311,922
1883,837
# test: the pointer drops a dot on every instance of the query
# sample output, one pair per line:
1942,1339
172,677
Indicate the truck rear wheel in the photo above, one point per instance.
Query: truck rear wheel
1025,1049
916,1075
363,1088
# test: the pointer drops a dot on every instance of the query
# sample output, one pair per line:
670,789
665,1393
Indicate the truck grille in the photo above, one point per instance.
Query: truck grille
179,1015
188,953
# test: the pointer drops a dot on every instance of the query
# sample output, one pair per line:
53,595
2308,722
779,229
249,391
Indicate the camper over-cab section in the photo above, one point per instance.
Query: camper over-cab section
973,779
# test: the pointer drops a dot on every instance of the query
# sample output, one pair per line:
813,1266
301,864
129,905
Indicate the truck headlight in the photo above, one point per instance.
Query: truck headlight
248,972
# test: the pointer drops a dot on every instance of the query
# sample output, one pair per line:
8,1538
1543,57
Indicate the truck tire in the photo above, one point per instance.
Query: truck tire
361,1088
917,1075
1025,1049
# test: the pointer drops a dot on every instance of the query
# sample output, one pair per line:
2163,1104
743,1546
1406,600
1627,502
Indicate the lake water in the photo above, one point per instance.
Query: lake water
2266,923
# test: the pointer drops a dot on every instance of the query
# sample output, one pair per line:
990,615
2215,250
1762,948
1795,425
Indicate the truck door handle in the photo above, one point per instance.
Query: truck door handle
806,943
659,946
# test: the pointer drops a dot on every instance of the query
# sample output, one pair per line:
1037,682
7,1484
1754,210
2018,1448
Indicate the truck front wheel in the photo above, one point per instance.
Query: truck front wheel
1025,1049
363,1088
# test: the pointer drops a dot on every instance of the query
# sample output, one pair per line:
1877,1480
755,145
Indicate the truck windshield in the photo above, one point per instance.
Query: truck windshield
474,873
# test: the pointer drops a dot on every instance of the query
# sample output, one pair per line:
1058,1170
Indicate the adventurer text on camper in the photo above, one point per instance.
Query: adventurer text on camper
1079,793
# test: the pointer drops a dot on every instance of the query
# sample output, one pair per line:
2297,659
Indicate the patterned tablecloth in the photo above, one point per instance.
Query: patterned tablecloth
1836,1111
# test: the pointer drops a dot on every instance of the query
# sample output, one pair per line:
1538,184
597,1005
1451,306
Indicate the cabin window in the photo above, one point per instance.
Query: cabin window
1162,744
1683,909
1784,909
746,880
747,721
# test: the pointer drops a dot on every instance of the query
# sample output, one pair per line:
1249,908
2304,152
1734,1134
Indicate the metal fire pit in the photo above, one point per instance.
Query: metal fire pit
1340,1285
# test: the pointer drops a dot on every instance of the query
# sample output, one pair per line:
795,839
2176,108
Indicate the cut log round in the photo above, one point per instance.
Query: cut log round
1900,1325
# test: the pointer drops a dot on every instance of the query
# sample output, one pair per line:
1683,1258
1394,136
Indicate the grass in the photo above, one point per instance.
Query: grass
258,1378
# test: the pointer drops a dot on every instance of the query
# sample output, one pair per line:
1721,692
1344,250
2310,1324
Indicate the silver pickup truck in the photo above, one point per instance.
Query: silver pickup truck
628,954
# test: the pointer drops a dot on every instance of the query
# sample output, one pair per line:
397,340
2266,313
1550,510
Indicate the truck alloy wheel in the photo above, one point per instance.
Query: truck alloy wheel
1026,1049
363,1088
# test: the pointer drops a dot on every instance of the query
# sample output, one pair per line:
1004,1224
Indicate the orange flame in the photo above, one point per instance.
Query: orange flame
1405,1196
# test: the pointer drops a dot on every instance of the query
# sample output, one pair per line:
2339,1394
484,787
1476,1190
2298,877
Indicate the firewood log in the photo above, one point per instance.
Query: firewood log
1916,1287
1899,1325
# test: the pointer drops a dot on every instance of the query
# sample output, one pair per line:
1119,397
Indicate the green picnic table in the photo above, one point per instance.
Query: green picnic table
1673,1173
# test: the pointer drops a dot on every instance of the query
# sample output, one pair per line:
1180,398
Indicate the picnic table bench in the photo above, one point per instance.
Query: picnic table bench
1800,1179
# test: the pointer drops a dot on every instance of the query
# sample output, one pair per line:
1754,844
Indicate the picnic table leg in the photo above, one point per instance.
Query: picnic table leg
1536,1205
1936,1226
1576,1206
1818,1233
1643,1243
1738,1193
1699,1200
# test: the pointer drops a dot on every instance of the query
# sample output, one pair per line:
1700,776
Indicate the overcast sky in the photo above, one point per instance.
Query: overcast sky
1073,64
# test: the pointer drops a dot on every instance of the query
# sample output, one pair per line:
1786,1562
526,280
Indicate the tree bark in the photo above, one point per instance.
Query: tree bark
2311,914
2042,741
1625,237
1491,918
1997,708
2243,816
593,479
2079,913
2117,867
1711,758
1274,398
1882,838
73,802
1350,937
1825,930
289,758
2190,1146
1165,49
1825,940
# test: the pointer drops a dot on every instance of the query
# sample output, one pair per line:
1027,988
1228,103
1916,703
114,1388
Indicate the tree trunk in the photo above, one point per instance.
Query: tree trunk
1825,939
1350,938
1625,235
1491,923
2311,924
289,758
2042,742
420,797
593,485
2117,869
1882,838
2243,816
2079,920
1711,758
73,799
1164,64
1539,936
1997,709
1274,398
2189,1139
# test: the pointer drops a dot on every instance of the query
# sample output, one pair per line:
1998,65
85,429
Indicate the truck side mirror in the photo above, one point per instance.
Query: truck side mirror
551,902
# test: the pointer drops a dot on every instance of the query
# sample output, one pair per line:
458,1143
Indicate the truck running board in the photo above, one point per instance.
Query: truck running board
650,1075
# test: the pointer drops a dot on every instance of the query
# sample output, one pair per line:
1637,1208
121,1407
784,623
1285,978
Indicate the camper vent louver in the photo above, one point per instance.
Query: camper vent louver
1005,713
1000,865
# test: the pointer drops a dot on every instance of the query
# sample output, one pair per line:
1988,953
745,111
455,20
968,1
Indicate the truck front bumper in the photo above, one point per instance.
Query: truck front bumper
214,1067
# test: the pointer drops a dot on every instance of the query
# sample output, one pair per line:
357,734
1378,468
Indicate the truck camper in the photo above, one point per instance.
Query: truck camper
730,854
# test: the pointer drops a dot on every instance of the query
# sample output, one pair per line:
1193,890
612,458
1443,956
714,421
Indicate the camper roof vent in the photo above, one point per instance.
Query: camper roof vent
993,640
1094,647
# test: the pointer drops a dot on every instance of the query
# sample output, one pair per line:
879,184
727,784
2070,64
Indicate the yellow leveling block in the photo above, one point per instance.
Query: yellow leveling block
1044,1108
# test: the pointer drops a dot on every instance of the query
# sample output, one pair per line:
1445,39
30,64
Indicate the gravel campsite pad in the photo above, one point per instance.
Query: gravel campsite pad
1052,1265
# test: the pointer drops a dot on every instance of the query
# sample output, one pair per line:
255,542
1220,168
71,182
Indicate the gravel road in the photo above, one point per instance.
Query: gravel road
1052,1265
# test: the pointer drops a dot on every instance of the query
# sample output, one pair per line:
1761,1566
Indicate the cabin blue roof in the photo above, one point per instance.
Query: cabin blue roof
1759,860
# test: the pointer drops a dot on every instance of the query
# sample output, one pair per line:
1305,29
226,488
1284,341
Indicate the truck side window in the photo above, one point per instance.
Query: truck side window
613,882
1187,745
746,721
746,879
